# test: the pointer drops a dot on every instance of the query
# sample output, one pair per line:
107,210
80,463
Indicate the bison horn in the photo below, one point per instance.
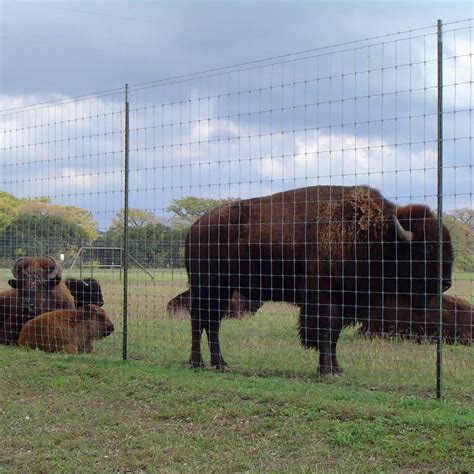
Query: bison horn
402,234
54,272
15,267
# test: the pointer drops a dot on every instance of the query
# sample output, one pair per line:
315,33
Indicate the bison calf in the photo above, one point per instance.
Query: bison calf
419,324
69,331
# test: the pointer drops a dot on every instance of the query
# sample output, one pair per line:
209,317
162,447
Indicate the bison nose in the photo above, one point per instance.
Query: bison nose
446,284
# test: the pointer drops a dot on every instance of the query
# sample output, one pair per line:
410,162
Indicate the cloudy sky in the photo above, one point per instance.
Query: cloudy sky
361,112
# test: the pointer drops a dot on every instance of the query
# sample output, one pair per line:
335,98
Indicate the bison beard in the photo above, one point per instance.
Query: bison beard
328,249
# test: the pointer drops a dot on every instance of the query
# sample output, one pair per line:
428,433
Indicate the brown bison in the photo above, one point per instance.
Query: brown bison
87,291
70,331
420,324
35,289
327,249
238,305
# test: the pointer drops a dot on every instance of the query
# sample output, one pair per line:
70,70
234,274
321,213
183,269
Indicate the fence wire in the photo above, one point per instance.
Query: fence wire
324,265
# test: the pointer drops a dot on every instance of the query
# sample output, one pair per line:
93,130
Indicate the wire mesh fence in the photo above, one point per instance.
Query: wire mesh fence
308,188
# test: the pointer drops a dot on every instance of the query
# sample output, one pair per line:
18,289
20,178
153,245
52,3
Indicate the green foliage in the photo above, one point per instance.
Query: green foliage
151,244
188,209
136,218
70,214
35,234
9,208
462,236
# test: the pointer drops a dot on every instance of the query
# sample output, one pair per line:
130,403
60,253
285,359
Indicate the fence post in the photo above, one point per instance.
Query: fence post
439,340
125,250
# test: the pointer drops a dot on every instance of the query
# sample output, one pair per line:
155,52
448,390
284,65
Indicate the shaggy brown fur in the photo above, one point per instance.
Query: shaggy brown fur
326,249
393,320
36,289
87,291
70,331
238,305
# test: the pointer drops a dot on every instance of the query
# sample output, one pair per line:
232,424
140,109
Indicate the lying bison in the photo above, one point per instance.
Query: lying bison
421,324
238,305
70,331
326,249
84,292
35,289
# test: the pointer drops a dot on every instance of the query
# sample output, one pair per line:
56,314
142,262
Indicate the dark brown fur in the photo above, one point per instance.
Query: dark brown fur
32,293
70,331
238,305
327,249
86,291
393,320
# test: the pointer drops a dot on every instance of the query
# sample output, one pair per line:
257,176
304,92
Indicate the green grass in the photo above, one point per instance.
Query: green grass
95,413
88,414
266,344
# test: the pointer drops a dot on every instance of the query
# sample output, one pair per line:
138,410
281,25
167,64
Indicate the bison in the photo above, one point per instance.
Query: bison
69,331
87,291
238,305
421,324
35,289
327,249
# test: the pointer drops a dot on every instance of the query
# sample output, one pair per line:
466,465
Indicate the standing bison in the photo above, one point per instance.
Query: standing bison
36,288
327,249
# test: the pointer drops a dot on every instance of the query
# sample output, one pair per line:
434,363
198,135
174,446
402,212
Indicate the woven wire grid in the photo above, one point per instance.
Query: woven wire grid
359,114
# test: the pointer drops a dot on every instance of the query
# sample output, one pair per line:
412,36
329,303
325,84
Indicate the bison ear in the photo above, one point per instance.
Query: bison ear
13,283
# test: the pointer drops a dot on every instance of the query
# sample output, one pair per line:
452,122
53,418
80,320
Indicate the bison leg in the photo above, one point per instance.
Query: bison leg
195,360
327,316
206,312
320,327
217,360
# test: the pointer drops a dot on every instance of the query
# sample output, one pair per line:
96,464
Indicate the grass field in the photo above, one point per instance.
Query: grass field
96,413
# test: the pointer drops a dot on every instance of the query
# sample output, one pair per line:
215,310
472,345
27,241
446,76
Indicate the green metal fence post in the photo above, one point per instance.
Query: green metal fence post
439,341
125,250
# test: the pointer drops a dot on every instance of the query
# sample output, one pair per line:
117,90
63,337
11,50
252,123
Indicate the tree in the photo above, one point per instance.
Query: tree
464,215
189,208
136,218
462,237
35,234
71,214
9,208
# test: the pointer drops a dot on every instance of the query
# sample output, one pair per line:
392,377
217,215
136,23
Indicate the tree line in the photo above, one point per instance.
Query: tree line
40,227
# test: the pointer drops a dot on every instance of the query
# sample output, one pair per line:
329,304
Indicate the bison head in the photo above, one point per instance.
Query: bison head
34,278
87,291
412,263
102,325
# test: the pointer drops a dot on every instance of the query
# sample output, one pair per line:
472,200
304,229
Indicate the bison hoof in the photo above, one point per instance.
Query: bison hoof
221,366
329,370
196,364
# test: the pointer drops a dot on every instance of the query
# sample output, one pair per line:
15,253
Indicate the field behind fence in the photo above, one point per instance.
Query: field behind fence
109,184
